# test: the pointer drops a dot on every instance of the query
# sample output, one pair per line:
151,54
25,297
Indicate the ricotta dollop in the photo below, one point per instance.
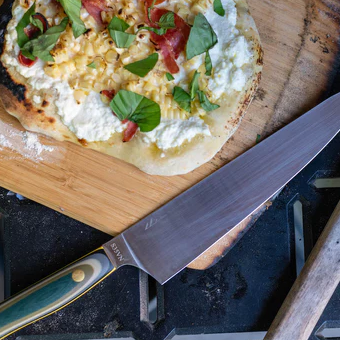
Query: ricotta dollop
172,133
231,55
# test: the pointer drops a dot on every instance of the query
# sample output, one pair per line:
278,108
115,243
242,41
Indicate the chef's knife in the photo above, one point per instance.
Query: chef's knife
167,240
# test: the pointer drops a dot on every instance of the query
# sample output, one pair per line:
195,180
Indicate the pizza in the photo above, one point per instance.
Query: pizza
161,84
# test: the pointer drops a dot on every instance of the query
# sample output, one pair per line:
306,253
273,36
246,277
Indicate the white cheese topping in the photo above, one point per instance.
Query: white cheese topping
92,120
171,133
230,55
182,77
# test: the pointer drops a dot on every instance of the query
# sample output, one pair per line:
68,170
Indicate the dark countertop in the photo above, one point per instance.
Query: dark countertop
242,292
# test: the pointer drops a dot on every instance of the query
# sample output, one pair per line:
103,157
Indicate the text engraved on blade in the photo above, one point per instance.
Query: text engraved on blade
117,252
153,222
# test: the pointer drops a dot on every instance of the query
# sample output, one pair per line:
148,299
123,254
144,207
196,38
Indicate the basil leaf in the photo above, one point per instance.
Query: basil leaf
143,67
23,23
150,8
159,31
117,24
41,46
72,10
167,20
92,65
37,23
27,54
117,28
208,64
202,37
218,8
258,138
122,39
136,108
182,98
205,103
194,86
169,76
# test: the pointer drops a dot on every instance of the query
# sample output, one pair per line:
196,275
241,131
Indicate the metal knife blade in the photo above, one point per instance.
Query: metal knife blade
170,238
167,240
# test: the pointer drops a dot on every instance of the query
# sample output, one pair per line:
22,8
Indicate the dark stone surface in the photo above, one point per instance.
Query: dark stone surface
242,292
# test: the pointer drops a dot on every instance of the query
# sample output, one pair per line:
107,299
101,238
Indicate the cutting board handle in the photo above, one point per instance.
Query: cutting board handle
54,292
313,288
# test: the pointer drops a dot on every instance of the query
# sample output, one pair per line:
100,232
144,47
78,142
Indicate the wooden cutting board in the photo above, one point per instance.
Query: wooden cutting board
300,43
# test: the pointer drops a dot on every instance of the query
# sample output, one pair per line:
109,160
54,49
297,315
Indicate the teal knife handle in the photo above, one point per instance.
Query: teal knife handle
54,292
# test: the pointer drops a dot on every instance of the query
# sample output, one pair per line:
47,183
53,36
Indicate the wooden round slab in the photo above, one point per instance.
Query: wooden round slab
300,44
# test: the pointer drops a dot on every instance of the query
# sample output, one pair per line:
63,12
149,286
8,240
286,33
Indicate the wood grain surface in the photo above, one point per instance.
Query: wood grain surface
312,289
300,42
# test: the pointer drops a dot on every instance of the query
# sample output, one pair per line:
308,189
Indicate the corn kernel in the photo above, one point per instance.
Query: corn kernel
79,96
111,56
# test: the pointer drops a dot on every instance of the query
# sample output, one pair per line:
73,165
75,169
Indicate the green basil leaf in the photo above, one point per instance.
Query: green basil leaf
117,24
194,86
159,31
205,103
208,64
23,23
182,98
92,65
169,76
27,54
72,10
136,108
202,37
167,20
143,67
122,39
117,28
218,8
258,138
41,46
37,23
150,8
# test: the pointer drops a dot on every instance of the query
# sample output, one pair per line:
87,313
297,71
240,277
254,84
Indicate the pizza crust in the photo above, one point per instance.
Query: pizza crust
222,122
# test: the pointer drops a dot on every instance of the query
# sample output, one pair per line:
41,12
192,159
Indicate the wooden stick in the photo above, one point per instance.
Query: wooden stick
312,289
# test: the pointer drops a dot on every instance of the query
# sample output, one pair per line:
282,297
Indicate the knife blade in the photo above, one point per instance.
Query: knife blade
167,240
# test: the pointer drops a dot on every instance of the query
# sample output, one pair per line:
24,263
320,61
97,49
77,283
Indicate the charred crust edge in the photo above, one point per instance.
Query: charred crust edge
18,90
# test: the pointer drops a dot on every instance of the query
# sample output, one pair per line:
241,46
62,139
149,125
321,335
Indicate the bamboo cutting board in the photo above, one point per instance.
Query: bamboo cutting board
300,43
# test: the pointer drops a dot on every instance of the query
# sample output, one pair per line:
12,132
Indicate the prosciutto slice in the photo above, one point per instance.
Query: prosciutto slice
130,131
95,7
173,42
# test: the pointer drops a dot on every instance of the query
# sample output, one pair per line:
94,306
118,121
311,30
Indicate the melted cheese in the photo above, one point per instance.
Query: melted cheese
231,55
172,133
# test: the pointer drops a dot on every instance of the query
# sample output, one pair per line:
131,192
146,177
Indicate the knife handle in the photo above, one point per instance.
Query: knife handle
54,292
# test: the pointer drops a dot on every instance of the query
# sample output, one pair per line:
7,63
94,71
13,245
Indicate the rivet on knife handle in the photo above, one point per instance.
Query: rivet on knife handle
54,292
